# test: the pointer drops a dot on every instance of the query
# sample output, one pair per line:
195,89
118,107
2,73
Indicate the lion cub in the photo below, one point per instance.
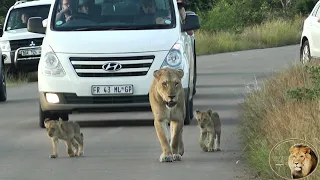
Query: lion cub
68,131
210,130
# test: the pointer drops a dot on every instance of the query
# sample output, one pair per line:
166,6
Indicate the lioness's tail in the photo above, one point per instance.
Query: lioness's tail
81,134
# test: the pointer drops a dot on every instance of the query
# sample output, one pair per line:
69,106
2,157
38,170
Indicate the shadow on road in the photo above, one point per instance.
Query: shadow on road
137,123
219,96
217,107
115,123
221,86
18,101
257,74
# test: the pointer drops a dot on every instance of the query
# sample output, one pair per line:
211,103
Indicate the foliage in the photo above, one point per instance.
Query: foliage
305,93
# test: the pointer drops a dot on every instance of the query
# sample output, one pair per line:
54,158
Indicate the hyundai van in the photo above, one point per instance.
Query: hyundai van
100,55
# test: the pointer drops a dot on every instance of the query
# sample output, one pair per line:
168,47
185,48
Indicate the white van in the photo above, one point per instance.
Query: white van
103,60
22,49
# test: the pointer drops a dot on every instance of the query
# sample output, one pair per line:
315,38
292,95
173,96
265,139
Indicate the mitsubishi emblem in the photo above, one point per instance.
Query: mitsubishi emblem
32,44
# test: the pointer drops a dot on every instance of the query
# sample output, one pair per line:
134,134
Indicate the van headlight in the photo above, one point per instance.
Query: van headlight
174,58
50,64
5,46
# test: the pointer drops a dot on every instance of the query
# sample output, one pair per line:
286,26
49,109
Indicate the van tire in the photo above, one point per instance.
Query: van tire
189,110
42,116
3,85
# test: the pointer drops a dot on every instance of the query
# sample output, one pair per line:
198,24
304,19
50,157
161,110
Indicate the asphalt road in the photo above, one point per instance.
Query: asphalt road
131,150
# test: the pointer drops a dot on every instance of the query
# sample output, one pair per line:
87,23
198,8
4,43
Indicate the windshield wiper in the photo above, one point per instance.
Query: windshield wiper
157,26
91,29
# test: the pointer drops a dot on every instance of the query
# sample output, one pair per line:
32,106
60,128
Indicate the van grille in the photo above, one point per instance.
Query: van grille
92,66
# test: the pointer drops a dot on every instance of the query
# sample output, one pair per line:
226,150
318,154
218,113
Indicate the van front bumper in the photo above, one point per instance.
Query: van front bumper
70,102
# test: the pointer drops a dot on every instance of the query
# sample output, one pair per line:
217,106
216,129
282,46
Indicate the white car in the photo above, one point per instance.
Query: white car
310,43
103,60
21,49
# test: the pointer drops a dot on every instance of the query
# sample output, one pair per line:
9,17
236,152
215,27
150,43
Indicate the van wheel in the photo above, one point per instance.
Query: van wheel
3,85
195,71
189,111
42,116
64,116
305,55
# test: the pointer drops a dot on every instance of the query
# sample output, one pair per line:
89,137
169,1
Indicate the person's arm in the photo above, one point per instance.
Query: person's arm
61,13
182,13
183,16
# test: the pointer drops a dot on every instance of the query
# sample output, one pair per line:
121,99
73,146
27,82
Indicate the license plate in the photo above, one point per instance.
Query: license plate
30,52
121,89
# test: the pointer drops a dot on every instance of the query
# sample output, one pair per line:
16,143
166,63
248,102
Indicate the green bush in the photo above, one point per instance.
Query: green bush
305,93
1,20
233,16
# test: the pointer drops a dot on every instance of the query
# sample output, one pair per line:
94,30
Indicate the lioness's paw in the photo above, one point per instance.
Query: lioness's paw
53,156
205,149
71,155
80,154
218,149
211,150
181,153
166,158
177,157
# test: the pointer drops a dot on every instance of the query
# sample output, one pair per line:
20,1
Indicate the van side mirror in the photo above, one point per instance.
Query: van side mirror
1,30
191,22
35,25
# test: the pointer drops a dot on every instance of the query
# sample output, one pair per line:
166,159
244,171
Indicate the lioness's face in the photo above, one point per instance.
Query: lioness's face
298,156
203,118
169,85
51,127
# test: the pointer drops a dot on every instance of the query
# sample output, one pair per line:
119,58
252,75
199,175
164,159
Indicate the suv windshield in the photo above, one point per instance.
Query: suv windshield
90,15
18,18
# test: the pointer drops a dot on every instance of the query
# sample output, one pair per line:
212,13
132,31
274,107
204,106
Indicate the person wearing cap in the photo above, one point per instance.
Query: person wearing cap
149,12
84,7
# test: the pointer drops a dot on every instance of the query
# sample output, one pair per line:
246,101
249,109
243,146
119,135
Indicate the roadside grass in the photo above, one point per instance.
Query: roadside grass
20,78
272,33
269,115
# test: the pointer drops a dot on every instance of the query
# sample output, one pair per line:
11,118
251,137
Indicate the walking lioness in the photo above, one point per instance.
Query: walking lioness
210,130
167,99
69,131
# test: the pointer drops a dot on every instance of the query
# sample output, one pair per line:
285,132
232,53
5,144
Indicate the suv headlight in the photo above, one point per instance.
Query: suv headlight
5,46
50,64
174,58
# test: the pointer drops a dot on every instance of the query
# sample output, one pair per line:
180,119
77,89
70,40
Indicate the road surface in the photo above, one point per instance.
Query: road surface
119,152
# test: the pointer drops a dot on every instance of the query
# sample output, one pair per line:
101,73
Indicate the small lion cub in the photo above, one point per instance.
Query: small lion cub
210,130
68,131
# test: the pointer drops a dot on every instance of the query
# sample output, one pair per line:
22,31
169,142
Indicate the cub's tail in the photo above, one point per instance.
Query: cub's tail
215,114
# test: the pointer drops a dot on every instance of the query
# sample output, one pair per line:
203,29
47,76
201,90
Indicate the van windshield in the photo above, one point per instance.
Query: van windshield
93,15
18,18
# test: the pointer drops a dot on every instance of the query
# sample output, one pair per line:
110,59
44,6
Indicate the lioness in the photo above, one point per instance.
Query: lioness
69,131
210,130
167,99
302,161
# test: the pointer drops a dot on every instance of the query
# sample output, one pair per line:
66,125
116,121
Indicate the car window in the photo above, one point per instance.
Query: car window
18,17
70,15
316,9
317,13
